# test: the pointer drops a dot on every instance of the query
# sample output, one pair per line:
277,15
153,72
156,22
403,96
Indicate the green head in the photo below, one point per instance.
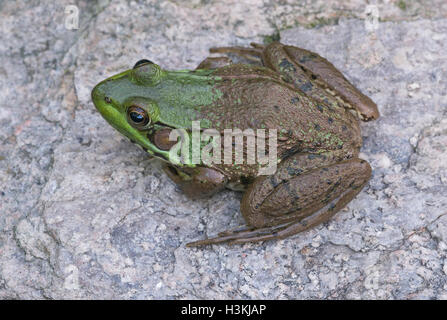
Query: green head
146,102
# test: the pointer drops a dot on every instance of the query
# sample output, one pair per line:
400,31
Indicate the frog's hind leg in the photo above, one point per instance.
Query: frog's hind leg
252,54
296,62
257,45
237,235
214,63
293,200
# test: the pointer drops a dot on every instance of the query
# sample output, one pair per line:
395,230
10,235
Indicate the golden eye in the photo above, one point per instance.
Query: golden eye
137,117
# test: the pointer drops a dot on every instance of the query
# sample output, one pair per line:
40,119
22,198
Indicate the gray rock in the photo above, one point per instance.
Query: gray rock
85,214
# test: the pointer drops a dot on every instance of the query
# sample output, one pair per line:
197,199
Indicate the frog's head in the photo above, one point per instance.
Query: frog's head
132,102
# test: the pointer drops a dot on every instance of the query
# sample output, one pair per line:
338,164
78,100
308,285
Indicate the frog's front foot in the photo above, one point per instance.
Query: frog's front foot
198,182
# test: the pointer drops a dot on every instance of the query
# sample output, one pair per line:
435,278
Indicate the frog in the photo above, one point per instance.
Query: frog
313,107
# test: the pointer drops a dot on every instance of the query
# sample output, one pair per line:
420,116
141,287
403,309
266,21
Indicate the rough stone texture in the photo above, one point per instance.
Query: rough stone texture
85,214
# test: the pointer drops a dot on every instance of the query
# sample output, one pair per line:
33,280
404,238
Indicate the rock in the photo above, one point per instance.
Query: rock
85,214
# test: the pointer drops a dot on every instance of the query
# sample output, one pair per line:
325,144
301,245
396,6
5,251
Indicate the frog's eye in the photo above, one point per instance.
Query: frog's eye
142,62
146,72
138,117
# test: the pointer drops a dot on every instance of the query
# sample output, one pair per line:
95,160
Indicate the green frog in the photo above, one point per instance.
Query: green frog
313,107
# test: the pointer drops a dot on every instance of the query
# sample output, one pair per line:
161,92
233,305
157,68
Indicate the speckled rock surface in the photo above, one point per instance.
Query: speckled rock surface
85,214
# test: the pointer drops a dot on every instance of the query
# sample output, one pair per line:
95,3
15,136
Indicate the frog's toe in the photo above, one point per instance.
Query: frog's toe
242,235
245,52
214,63
257,45
204,242
234,231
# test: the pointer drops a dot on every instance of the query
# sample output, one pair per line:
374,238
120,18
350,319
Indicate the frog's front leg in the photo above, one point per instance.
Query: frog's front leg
295,198
198,182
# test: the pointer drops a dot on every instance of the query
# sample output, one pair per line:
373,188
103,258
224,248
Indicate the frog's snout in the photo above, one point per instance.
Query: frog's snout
97,95
100,99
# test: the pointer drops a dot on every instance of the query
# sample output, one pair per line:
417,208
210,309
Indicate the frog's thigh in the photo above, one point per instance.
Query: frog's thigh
310,197
325,71
196,182
214,62
292,206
